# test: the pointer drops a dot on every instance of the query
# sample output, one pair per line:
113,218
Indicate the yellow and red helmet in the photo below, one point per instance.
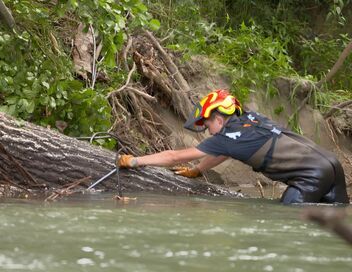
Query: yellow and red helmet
219,100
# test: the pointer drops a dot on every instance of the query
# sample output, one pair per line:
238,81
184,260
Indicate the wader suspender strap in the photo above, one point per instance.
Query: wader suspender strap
275,135
269,155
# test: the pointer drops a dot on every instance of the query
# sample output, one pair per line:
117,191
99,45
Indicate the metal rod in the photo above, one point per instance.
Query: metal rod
119,189
101,179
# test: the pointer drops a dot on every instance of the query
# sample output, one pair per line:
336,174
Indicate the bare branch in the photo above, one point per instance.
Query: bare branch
6,16
94,67
337,65
144,95
336,108
127,82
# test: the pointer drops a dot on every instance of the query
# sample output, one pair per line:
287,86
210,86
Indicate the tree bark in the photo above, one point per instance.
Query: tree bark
48,157
6,16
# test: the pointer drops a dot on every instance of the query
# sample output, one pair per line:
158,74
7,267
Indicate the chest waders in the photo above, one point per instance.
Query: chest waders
311,173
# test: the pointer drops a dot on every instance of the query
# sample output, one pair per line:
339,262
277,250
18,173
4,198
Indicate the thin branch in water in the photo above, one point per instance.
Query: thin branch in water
9,181
23,171
260,186
66,189
274,184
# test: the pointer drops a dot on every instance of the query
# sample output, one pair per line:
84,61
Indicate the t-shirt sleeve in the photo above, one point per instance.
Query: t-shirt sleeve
215,146
241,147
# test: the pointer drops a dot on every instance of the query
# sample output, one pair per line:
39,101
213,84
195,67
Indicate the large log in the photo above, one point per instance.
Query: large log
54,159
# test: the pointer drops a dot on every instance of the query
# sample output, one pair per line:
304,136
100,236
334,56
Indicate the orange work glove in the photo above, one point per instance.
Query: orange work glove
126,161
187,171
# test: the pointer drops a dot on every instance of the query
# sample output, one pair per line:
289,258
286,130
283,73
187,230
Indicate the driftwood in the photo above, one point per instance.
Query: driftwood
331,219
53,160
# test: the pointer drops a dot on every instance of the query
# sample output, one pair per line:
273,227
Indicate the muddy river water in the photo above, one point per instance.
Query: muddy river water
154,233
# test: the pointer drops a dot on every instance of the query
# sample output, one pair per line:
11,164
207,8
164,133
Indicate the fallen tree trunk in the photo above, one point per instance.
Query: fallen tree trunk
32,156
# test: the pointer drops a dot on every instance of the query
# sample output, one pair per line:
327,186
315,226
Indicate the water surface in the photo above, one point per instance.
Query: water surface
164,233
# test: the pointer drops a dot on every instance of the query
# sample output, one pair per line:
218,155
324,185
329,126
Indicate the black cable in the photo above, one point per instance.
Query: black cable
106,135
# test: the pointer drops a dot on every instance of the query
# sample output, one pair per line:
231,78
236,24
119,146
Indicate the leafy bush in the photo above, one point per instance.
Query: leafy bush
252,58
37,79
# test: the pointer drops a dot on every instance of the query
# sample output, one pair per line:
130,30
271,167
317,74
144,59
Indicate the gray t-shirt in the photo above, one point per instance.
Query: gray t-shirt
237,139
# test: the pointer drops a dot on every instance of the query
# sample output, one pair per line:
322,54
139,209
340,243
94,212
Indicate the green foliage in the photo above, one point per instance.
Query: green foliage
256,40
110,19
335,14
255,59
28,79
88,112
253,55
37,79
252,59
278,110
33,90
260,40
320,54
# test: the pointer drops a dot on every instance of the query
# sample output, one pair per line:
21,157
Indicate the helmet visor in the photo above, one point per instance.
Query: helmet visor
195,120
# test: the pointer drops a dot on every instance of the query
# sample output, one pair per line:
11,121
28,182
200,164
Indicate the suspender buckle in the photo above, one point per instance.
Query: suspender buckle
276,131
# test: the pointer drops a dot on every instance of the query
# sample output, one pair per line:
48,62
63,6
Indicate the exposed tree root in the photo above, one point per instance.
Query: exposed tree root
135,106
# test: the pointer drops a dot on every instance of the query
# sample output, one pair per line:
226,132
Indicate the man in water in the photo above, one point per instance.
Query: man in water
312,174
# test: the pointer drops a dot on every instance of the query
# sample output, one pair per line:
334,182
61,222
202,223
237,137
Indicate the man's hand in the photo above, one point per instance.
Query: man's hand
126,161
187,171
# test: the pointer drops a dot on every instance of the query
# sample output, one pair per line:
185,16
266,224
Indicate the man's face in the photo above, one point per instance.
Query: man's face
214,124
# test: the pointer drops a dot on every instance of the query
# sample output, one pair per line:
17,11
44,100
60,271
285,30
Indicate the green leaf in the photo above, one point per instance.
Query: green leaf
154,24
141,7
30,93
31,107
120,21
52,102
11,100
4,108
11,110
23,104
9,80
110,59
74,3
46,84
